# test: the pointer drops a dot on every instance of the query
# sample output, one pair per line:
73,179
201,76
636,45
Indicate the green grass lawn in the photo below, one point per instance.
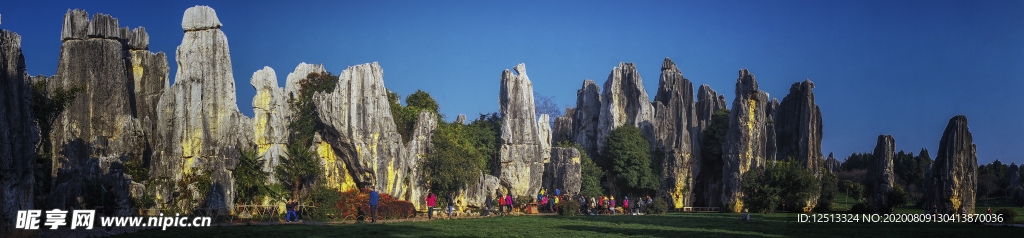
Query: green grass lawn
671,225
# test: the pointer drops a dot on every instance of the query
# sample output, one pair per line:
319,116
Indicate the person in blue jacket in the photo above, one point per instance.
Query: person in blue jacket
373,204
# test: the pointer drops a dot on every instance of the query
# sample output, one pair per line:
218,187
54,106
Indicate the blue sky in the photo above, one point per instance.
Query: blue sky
880,67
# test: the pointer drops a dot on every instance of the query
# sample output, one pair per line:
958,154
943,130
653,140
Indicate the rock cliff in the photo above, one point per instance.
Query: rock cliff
674,124
623,101
564,171
586,117
522,152
18,133
954,177
880,175
271,113
745,142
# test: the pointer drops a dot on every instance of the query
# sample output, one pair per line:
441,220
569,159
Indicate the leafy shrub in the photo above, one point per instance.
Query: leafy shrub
522,201
305,122
828,192
785,182
897,198
627,155
859,208
250,179
354,205
568,207
405,117
659,206
1009,215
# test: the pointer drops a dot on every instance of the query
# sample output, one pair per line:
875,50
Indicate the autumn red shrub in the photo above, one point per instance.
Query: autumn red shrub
355,204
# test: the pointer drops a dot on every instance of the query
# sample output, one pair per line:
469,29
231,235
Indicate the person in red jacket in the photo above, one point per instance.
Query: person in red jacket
501,203
431,201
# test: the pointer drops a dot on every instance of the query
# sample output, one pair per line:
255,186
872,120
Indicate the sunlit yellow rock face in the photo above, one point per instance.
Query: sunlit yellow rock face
336,173
746,141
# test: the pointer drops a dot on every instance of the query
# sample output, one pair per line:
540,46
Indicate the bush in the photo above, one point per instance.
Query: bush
859,208
627,155
1008,214
785,182
354,204
522,201
568,207
659,206
897,198
829,189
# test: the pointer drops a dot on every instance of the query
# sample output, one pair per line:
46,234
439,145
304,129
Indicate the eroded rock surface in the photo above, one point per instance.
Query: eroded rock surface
954,177
522,155
798,127
561,128
674,124
586,117
301,71
199,126
270,123
880,174
707,187
18,133
745,142
624,101
832,164
563,171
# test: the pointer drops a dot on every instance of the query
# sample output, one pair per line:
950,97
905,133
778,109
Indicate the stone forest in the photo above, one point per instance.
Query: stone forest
109,116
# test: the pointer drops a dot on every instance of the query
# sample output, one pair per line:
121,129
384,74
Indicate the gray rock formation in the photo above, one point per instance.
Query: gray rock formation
586,117
100,128
1014,176
564,171
798,130
76,25
150,73
771,145
476,193
707,171
18,133
674,123
954,177
270,122
522,153
138,39
798,127
561,128
880,175
361,132
104,26
461,119
199,126
832,164
745,142
544,134
291,86
624,101
200,18
360,145
416,151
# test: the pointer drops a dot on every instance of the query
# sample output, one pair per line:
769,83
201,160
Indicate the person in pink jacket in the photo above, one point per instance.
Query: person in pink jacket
431,201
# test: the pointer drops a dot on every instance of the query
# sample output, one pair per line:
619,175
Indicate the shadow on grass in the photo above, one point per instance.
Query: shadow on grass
697,232
347,230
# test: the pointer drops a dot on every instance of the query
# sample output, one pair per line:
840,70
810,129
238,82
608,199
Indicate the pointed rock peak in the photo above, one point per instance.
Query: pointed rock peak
520,69
668,64
830,155
301,72
264,78
200,18
104,26
746,83
138,39
76,25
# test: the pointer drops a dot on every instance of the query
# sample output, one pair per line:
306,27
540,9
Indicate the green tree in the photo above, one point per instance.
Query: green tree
250,179
46,107
305,122
405,117
298,167
453,163
765,189
590,175
829,189
484,134
628,155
